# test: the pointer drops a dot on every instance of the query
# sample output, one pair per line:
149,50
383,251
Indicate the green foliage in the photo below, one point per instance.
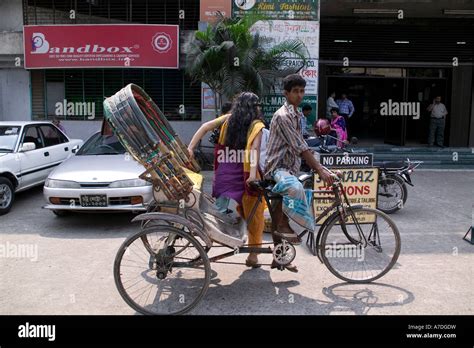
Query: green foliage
228,58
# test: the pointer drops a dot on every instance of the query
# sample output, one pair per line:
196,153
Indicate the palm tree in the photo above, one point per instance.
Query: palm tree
228,58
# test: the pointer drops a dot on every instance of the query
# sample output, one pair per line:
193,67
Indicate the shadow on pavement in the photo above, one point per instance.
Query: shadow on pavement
255,293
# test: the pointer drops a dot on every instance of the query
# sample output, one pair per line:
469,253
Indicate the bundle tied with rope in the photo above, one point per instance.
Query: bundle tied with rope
146,134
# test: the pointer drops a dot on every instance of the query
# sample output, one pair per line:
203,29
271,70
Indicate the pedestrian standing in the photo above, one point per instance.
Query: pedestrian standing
437,122
346,108
330,104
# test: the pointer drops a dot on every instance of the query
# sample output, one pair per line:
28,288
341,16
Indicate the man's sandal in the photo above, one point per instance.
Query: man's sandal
290,267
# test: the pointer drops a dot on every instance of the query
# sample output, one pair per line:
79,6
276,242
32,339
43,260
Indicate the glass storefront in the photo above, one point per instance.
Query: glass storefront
405,92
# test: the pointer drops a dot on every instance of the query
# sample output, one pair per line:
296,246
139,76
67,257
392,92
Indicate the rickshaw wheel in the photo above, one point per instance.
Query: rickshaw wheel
162,270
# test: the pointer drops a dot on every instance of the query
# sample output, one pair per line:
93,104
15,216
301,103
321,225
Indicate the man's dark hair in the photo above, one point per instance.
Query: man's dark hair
334,109
307,107
226,108
293,80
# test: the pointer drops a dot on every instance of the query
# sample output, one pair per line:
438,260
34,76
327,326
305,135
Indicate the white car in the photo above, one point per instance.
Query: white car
29,151
100,177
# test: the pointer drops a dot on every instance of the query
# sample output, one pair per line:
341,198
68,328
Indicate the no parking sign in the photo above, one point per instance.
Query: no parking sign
359,178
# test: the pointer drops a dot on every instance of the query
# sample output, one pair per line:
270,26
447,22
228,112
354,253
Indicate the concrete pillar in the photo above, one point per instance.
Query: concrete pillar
15,97
461,111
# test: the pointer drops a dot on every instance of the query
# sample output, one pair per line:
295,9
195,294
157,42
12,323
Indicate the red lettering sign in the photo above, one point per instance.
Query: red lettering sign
98,46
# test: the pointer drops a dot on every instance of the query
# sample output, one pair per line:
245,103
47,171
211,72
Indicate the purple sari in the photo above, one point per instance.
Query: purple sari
228,179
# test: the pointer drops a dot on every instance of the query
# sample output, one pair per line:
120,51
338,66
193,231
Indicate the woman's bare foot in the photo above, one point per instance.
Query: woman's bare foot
252,261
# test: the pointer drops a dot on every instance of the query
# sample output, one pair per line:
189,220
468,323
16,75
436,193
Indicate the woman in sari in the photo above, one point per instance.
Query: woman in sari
237,162
338,124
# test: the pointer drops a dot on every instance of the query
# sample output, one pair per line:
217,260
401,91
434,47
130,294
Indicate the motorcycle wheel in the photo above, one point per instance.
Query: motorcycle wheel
392,193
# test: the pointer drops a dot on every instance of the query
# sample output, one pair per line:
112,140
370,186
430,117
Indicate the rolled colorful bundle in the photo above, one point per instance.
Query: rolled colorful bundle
146,134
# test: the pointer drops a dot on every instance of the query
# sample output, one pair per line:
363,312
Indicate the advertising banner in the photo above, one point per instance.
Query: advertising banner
360,185
209,9
277,31
101,46
279,9
208,98
272,102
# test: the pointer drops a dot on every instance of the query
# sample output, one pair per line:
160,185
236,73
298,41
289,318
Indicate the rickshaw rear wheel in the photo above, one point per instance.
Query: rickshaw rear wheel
162,270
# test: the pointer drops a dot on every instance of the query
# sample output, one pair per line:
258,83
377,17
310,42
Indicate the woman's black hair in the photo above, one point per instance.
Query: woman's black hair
244,112
226,107
307,107
293,80
334,109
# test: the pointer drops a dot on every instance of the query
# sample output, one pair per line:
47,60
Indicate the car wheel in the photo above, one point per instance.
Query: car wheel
7,195
60,213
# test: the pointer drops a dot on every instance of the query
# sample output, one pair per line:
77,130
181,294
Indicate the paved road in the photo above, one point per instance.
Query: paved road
73,270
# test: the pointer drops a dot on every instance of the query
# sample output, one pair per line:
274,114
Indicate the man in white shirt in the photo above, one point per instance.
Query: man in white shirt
437,122
331,103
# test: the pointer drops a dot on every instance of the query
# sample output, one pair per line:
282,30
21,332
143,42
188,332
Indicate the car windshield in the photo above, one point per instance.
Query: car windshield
100,144
8,137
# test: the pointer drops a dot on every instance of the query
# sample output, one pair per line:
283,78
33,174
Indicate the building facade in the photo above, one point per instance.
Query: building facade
169,88
375,52
408,51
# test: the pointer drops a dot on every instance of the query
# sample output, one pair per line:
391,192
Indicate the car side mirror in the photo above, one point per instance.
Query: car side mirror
75,148
27,147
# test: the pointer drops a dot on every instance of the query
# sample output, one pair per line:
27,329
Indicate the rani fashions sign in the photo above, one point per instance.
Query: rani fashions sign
101,46
278,9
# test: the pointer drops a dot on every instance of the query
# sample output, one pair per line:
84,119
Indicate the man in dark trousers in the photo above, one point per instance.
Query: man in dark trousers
437,122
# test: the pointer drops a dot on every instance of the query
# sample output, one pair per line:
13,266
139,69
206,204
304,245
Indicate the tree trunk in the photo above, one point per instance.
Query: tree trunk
216,107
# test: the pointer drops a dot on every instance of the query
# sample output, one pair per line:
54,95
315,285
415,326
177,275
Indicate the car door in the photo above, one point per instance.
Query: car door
35,164
56,143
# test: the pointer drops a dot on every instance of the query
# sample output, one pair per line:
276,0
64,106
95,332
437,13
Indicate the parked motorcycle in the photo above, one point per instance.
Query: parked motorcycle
393,177
326,144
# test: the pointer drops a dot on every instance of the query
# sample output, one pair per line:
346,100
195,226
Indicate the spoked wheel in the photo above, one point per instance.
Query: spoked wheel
361,249
189,214
392,194
162,270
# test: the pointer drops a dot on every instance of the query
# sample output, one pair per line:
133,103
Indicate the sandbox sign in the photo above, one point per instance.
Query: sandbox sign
101,46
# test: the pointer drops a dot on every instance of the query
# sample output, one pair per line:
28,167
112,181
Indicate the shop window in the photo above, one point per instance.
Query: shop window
81,91
113,11
427,72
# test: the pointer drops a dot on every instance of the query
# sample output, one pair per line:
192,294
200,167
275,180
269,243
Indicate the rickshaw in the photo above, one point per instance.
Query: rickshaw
165,268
